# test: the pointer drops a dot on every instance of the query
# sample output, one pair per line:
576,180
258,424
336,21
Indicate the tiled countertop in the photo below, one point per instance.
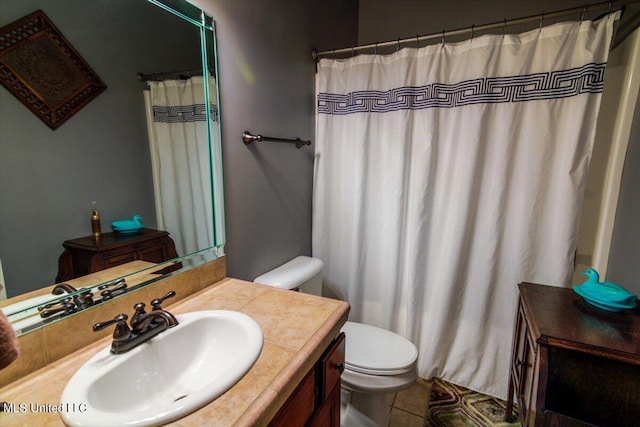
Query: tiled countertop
297,328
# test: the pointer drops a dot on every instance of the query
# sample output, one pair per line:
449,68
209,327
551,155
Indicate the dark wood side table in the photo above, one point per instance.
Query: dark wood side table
88,254
573,364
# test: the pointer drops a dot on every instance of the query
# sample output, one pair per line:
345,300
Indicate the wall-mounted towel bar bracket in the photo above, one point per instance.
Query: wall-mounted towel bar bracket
248,138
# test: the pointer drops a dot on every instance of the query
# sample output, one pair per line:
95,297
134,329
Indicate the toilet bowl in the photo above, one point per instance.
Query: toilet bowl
377,362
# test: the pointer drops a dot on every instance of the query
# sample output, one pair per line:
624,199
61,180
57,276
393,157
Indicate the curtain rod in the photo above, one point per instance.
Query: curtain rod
178,75
605,5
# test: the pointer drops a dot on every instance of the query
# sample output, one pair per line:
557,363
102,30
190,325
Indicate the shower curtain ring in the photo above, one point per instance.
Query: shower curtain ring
375,49
352,51
586,7
541,19
472,28
398,46
442,37
504,27
417,42
610,4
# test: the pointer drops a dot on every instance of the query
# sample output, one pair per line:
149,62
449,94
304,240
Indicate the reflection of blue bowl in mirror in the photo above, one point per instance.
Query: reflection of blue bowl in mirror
127,226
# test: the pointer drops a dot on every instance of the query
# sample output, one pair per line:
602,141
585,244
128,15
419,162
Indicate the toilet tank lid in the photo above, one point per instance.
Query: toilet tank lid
292,274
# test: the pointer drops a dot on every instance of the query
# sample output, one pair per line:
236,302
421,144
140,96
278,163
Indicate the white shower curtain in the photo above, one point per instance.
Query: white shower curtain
445,176
180,158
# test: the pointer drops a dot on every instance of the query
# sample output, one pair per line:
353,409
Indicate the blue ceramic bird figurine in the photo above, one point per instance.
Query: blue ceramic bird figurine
127,224
593,277
604,293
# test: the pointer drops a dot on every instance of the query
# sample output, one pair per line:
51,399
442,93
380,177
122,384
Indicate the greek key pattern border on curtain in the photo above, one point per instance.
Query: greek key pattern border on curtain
183,113
588,78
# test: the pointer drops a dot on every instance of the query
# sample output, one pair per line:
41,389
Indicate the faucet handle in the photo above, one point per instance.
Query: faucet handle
118,319
113,289
63,301
155,303
65,306
113,283
140,311
121,333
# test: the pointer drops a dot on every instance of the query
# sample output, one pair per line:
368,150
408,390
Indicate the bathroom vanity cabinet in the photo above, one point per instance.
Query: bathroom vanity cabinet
89,254
573,364
316,401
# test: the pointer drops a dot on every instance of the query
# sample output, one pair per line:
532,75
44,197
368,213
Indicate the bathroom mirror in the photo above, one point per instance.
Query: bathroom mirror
101,157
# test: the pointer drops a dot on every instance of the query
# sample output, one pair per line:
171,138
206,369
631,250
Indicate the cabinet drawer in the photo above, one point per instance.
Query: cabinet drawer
153,254
332,365
299,408
119,259
153,243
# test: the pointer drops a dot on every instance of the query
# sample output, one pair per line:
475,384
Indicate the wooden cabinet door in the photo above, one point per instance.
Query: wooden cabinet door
299,407
329,413
316,401
332,365
522,370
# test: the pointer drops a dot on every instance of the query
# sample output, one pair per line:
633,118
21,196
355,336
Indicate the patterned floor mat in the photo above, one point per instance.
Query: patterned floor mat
454,406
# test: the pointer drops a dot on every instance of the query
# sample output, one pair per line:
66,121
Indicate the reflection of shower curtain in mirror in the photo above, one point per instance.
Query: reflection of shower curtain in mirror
179,147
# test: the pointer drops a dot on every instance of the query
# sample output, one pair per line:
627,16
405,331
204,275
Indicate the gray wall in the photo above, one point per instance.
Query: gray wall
48,179
625,246
267,87
382,20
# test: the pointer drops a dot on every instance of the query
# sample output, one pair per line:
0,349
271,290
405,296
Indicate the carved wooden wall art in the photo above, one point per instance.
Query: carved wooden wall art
41,68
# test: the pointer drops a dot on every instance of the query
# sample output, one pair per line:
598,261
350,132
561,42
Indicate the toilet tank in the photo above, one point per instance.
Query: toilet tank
301,273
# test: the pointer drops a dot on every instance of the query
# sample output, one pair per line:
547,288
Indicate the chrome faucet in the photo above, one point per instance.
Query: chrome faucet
142,327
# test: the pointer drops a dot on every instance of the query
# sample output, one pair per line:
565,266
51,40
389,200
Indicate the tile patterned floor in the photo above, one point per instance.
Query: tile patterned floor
440,404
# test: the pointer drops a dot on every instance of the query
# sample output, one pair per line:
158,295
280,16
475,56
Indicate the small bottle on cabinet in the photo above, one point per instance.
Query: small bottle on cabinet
95,223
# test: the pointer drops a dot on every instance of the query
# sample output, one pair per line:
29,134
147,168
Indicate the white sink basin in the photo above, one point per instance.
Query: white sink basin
167,377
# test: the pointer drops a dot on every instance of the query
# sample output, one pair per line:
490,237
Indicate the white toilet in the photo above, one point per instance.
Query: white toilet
378,362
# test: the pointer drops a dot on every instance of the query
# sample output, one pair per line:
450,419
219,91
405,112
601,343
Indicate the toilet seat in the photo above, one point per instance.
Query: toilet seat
375,351
378,384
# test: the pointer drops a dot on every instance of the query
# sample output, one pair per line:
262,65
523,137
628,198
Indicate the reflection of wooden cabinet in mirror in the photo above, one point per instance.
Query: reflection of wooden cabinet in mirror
88,254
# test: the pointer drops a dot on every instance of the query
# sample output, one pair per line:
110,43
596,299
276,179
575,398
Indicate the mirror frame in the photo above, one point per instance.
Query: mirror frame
206,26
